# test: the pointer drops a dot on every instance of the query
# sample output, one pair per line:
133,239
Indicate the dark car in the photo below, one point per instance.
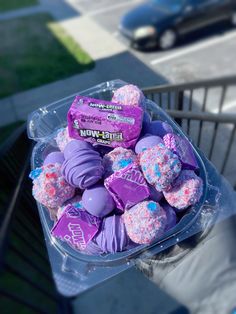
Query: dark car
163,21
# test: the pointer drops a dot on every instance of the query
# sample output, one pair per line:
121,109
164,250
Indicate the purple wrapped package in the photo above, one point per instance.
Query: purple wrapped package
127,186
76,227
183,149
104,122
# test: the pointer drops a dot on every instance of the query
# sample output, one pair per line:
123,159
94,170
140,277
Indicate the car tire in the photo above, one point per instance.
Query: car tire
233,19
167,39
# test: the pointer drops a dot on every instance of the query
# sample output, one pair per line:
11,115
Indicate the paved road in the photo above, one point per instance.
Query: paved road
200,56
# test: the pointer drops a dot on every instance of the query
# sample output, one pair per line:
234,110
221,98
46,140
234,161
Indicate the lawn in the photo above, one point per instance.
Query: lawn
6,5
34,51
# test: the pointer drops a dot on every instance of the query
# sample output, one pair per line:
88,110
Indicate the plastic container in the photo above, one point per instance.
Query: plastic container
75,272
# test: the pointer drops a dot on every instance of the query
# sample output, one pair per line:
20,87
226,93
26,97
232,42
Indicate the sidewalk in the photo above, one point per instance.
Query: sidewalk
112,61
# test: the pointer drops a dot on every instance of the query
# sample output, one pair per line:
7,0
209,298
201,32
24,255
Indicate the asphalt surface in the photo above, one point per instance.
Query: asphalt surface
201,55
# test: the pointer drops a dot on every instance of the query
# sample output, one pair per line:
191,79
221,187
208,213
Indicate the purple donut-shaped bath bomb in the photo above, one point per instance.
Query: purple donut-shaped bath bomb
129,95
145,222
83,165
146,142
98,201
158,128
54,158
186,190
112,236
160,166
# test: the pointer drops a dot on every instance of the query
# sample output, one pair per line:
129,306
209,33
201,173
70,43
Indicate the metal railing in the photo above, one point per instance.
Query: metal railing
206,110
26,282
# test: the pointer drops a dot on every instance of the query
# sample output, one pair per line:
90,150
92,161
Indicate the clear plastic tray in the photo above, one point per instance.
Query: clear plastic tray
74,271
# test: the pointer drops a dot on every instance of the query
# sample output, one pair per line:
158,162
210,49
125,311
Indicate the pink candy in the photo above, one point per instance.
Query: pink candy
49,186
145,222
186,190
160,166
63,138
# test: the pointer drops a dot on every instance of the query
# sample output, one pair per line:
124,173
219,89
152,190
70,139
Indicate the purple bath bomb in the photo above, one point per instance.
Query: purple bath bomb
158,128
146,142
98,201
183,149
129,95
53,158
186,190
171,216
112,236
154,194
145,222
82,166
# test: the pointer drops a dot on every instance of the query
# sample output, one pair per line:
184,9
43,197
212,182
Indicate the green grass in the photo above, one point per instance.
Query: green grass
34,51
6,5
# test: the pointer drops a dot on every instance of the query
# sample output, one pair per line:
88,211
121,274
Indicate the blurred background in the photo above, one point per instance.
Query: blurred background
181,52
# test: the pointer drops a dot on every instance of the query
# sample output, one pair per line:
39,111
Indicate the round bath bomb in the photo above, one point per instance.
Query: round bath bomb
118,159
146,142
53,158
154,194
129,95
83,165
98,201
158,128
170,215
49,186
186,190
160,166
62,138
145,222
112,236
75,201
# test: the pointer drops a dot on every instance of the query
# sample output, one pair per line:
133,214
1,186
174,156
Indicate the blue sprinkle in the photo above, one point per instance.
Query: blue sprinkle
143,149
152,206
35,173
77,205
125,162
157,171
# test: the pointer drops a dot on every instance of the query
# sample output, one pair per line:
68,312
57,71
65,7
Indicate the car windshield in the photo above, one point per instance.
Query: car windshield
170,5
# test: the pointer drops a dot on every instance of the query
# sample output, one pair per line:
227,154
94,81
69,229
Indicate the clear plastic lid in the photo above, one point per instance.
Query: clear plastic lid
67,262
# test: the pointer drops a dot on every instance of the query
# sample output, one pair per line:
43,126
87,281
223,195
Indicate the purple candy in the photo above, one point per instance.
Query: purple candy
158,128
146,142
76,227
103,122
53,158
154,194
112,236
171,216
82,166
183,149
97,201
127,186
75,146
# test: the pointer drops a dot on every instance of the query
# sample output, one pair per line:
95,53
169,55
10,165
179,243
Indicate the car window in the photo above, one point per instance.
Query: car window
170,5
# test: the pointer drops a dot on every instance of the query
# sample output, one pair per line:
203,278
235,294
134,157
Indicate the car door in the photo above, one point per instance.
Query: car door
197,14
